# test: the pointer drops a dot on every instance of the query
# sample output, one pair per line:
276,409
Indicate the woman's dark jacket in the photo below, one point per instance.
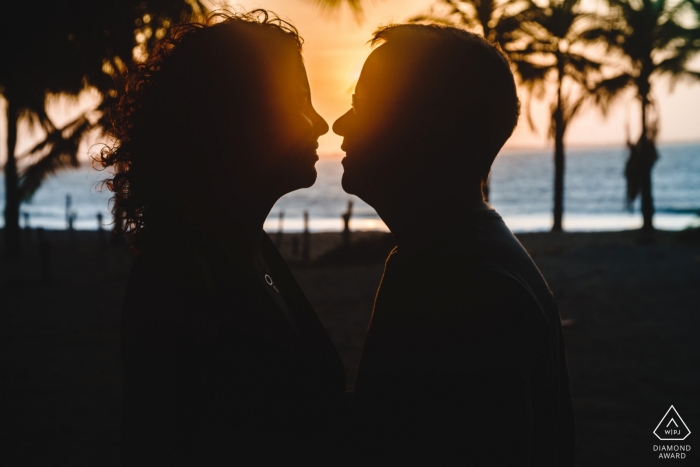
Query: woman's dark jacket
214,370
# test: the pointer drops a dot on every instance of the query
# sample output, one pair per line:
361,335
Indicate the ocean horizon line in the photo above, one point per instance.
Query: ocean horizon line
550,147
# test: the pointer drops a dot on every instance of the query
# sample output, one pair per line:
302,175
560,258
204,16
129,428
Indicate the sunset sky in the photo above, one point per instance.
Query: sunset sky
336,47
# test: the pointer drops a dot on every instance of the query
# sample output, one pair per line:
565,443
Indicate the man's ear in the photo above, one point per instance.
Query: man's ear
450,135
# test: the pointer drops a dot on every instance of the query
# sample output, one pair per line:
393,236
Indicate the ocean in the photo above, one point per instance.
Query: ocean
521,191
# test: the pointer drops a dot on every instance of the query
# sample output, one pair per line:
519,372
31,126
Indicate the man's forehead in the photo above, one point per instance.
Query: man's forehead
394,71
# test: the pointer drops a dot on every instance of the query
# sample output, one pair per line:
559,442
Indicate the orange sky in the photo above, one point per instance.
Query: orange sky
336,47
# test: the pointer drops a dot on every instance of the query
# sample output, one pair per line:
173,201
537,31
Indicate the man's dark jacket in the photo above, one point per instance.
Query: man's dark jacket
464,359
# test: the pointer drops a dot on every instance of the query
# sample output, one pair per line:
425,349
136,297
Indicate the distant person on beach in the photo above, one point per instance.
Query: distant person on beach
464,358
224,358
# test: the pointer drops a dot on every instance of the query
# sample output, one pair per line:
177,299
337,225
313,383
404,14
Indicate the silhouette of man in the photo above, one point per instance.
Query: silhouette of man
464,358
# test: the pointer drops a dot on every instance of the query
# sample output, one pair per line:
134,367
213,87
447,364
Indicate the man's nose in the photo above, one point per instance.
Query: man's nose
340,126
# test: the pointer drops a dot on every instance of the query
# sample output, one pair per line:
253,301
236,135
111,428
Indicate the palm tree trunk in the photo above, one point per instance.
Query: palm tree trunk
647,202
13,245
648,153
558,173
559,128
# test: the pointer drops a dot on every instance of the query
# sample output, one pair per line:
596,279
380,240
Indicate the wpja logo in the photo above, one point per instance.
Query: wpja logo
672,428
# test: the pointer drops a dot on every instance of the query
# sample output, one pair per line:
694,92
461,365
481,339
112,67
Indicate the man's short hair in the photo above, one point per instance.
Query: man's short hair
471,76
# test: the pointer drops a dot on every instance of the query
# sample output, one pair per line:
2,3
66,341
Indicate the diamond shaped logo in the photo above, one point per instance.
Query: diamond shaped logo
671,427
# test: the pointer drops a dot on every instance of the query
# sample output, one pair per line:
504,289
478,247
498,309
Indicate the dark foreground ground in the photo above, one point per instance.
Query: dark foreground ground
631,303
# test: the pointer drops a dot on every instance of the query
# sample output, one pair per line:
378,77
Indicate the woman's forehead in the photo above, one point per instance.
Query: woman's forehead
288,74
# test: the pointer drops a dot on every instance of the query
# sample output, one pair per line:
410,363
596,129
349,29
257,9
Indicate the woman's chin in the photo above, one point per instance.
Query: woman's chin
309,178
300,179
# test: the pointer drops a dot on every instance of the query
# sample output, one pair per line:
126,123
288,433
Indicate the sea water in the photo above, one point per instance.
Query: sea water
521,191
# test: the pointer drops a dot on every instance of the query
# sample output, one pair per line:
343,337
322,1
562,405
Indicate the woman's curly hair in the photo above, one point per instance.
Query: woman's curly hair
171,109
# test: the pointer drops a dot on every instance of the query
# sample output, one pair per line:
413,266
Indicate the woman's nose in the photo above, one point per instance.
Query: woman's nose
341,124
320,125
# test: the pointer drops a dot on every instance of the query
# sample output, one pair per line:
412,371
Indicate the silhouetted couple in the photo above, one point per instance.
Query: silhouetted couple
225,361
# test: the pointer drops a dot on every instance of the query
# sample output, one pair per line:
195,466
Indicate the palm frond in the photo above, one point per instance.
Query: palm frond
669,33
557,20
581,68
50,139
607,91
673,65
606,35
464,11
331,5
507,27
572,108
60,150
684,75
681,56
532,77
432,19
531,74
450,13
35,114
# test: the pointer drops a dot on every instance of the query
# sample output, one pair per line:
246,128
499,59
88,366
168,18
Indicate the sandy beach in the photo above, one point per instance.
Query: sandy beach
630,305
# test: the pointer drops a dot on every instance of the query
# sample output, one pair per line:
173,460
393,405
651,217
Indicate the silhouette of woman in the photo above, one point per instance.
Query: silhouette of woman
222,353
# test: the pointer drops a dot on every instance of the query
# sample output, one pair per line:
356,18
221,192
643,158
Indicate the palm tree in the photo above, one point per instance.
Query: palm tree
552,42
651,39
32,66
61,48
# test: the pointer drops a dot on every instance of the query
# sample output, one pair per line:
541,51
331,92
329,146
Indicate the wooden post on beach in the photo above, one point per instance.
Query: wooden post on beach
306,241
69,203
280,222
346,224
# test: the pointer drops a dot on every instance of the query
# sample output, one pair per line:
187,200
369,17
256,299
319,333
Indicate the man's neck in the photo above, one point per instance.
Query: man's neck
414,221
